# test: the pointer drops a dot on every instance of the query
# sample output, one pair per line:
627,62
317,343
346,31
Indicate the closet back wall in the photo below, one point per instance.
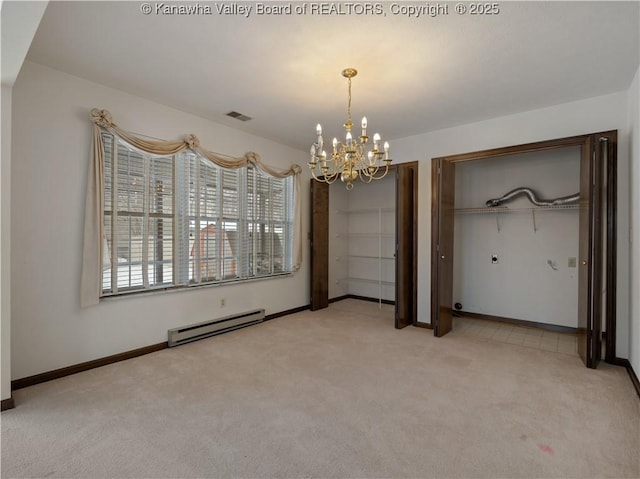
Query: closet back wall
362,239
338,245
532,280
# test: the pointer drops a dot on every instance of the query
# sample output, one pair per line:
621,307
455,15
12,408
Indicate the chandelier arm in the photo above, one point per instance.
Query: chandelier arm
369,174
365,179
313,173
329,178
325,178
373,175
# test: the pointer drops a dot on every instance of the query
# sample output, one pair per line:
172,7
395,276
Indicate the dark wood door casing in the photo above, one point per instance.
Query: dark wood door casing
594,334
319,245
611,166
406,244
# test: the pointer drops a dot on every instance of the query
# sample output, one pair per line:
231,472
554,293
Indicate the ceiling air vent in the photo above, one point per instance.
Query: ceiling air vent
238,116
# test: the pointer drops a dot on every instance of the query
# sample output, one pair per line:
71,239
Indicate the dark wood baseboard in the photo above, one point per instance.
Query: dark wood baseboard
632,374
8,403
518,322
77,368
299,309
339,298
96,363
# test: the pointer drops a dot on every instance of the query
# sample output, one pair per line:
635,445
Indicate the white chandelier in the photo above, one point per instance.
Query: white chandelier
349,160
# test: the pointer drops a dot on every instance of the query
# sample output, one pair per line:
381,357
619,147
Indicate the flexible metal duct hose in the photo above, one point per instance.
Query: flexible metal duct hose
533,198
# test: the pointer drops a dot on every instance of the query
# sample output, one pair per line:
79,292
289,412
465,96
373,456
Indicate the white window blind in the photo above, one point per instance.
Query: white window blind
176,221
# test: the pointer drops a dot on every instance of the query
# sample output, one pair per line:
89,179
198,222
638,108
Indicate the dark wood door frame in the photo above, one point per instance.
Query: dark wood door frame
611,205
319,238
406,253
406,307
608,162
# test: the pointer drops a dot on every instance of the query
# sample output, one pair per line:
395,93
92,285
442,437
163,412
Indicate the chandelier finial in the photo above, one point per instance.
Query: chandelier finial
348,160
349,72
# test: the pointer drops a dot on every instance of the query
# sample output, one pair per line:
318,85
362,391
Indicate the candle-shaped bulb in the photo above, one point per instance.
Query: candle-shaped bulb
349,137
319,129
313,150
364,122
324,156
386,150
370,156
376,140
335,145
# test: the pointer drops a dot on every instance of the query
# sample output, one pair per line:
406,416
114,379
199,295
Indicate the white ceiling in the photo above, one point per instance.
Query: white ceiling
415,74
19,24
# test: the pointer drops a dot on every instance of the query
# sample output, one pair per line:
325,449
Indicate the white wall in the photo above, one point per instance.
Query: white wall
51,144
634,181
51,138
5,241
18,24
522,284
608,112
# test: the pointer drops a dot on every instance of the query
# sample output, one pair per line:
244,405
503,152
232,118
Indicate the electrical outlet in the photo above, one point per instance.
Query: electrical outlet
494,259
572,262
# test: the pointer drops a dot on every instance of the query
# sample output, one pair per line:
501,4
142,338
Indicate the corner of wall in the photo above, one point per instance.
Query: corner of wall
5,244
634,221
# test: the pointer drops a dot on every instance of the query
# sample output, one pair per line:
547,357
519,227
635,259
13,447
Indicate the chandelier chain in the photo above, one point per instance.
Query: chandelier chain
349,105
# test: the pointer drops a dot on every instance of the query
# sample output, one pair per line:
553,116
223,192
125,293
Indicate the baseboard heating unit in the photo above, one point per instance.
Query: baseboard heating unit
193,332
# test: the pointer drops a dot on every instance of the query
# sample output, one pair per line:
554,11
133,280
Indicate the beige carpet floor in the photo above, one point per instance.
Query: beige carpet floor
333,393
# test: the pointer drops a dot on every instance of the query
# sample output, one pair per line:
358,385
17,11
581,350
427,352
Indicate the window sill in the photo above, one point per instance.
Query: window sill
176,289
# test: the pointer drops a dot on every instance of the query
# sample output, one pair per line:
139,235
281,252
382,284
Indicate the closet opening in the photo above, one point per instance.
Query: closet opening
546,264
364,242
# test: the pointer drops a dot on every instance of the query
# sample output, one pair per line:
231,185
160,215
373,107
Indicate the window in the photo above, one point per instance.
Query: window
180,220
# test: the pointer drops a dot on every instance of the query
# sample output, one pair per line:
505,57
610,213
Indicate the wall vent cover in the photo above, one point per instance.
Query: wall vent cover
238,116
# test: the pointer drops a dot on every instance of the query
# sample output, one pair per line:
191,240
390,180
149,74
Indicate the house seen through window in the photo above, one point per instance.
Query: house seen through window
180,220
